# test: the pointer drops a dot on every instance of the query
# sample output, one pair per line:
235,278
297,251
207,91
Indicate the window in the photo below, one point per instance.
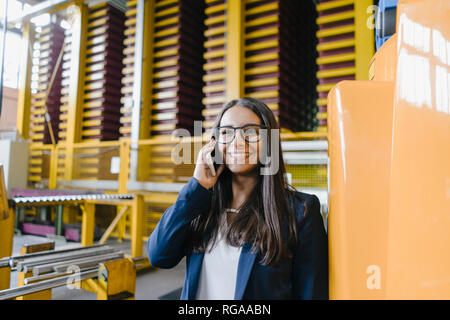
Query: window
13,44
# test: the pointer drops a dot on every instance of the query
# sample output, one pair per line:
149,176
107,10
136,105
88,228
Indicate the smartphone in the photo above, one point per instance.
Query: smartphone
211,160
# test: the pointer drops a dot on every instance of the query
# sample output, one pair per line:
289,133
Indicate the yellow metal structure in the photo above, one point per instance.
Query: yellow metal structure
76,87
389,166
364,37
234,72
146,87
136,207
346,45
216,82
117,280
6,231
24,96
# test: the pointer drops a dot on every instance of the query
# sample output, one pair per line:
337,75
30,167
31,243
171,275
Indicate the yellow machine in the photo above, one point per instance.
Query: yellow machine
389,191
6,231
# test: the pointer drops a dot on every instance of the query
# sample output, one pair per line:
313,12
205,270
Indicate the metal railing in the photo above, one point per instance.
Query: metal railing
52,269
109,161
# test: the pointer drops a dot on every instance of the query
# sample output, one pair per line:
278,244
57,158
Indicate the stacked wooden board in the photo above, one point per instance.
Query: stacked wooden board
65,88
174,46
101,109
50,40
215,59
177,66
279,60
65,85
176,73
103,74
336,49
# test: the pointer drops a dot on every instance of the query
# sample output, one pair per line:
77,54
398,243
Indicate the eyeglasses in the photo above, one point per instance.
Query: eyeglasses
250,132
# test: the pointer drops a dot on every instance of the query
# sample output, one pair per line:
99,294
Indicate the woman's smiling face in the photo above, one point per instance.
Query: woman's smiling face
240,156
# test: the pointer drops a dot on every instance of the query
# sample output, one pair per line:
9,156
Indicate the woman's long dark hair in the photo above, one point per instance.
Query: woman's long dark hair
266,215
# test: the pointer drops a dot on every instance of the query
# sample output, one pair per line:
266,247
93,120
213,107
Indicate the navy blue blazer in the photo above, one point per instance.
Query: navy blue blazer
304,276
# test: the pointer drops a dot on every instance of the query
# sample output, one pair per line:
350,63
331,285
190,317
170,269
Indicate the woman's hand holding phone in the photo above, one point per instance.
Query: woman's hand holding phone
204,172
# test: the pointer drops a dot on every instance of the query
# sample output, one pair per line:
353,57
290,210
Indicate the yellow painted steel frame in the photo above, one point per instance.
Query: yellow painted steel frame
117,280
124,165
53,168
124,145
364,38
49,6
234,66
6,232
24,97
147,79
114,224
74,114
137,212
123,181
147,85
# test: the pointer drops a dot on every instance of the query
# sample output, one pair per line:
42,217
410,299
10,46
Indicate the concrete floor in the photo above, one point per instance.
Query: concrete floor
151,283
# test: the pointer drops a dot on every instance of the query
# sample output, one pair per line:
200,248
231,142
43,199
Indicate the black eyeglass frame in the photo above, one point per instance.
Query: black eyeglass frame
217,129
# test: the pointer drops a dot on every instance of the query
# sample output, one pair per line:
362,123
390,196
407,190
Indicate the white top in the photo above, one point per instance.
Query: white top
219,270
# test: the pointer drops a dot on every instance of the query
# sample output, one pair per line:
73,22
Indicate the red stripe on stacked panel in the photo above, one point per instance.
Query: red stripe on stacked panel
336,49
177,66
49,40
215,56
103,74
279,61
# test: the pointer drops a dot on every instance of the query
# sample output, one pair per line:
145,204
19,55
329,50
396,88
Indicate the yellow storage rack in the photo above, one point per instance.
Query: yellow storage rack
65,83
174,81
345,47
65,87
279,60
48,44
128,69
103,73
215,59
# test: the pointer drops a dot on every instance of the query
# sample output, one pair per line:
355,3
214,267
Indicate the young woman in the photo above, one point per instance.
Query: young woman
245,235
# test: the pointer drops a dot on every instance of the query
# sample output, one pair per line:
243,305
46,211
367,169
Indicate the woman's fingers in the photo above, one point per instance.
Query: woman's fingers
208,148
205,171
220,169
210,164
204,155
